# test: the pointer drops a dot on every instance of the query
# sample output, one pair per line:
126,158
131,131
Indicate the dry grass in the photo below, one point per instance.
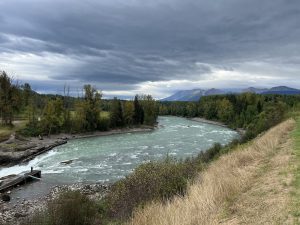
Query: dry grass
221,183
267,200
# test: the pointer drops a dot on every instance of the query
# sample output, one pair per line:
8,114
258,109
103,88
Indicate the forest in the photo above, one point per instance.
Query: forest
252,112
51,114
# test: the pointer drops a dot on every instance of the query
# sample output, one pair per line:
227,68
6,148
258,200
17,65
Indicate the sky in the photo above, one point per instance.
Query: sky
157,47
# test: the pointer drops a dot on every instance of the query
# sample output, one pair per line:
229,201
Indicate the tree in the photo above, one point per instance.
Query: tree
10,100
92,100
225,110
128,112
116,114
191,109
52,119
67,110
138,116
27,92
150,109
87,110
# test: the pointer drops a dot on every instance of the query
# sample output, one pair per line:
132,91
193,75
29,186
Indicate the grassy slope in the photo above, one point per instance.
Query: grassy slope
250,185
295,194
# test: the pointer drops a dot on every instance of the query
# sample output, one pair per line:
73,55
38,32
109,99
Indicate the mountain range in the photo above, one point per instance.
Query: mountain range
196,94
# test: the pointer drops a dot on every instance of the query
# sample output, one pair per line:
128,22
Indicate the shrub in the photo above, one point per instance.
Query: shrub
70,208
149,182
210,154
104,124
31,130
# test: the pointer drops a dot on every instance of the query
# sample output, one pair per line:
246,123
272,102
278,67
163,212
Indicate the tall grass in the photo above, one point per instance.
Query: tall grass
296,169
223,179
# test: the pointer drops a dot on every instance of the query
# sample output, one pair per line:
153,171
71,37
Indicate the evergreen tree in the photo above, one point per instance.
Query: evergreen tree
138,116
116,114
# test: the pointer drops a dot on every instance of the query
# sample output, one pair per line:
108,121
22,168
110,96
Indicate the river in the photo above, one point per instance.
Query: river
109,158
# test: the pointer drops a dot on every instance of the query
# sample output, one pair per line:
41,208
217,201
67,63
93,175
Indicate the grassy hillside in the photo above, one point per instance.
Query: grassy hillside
295,165
250,185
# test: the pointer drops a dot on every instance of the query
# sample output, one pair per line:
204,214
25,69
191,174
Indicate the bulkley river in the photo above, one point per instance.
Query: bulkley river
109,158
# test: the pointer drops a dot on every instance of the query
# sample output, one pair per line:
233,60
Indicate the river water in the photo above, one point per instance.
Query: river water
109,158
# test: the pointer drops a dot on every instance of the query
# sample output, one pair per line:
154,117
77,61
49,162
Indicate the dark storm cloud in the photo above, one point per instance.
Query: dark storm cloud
129,42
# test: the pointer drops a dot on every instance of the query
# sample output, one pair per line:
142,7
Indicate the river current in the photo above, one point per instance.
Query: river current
109,158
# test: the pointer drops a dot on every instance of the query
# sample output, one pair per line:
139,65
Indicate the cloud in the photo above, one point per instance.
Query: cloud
128,46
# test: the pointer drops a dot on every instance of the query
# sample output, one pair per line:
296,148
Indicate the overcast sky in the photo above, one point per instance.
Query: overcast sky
158,47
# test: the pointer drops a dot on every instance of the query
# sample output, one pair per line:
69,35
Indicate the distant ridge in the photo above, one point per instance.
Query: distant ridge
196,94
282,90
254,90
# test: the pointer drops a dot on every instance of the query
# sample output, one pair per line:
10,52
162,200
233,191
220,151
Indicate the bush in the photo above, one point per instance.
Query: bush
210,154
70,208
149,182
31,130
104,124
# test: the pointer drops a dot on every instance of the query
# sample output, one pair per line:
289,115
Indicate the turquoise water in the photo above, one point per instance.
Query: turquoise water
109,158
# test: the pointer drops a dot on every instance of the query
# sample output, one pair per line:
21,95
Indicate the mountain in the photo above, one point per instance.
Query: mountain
193,95
282,90
255,90
186,95
196,94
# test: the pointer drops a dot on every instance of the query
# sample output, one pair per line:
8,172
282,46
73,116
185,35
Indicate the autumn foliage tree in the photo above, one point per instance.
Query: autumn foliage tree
10,100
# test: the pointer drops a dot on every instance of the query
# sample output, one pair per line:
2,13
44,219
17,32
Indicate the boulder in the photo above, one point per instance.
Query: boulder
5,198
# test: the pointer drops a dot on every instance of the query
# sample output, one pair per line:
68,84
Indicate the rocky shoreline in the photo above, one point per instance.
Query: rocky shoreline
14,213
18,150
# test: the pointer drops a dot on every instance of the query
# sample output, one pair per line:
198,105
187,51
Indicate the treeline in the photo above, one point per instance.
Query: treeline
252,112
50,114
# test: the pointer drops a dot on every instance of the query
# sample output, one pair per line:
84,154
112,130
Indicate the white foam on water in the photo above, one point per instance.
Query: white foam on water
19,169
158,146
81,170
53,171
134,156
197,126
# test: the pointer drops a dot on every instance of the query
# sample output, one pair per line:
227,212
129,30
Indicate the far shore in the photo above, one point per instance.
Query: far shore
27,149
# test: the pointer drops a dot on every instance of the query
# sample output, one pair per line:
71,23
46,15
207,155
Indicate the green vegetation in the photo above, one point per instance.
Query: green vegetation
155,181
10,99
252,112
53,114
70,208
296,169
152,181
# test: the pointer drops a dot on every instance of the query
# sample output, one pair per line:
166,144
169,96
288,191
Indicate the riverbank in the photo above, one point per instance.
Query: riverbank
15,212
18,150
225,196
173,129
